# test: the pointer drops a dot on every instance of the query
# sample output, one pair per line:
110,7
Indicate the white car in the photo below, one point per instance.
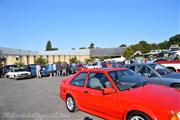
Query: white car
17,73
94,65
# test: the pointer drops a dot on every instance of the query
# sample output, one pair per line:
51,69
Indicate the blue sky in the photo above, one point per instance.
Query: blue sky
29,24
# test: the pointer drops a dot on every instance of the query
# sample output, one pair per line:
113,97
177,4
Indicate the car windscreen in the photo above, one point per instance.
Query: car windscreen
18,70
160,69
126,79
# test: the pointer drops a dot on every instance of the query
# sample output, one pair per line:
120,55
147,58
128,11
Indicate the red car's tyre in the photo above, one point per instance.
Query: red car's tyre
138,116
71,104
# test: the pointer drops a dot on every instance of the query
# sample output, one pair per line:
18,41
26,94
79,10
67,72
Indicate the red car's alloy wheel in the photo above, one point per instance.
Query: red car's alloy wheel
70,104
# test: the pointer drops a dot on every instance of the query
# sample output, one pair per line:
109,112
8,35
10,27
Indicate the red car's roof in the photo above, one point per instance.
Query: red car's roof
102,69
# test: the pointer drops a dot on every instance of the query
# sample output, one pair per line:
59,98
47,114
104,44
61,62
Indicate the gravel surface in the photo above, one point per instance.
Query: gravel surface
35,99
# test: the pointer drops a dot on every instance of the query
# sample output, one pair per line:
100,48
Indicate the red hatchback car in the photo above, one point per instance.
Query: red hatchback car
119,94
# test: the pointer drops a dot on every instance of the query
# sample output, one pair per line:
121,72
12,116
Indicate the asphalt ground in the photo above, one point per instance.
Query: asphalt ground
35,99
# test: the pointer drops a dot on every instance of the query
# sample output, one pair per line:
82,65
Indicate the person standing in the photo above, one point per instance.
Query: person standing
103,64
67,69
64,69
50,69
59,69
1,72
54,70
38,71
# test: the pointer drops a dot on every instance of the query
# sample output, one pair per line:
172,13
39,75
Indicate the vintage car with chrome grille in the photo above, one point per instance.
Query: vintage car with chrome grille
18,73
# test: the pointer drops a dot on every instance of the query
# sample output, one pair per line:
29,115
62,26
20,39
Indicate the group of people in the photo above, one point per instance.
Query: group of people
111,64
60,69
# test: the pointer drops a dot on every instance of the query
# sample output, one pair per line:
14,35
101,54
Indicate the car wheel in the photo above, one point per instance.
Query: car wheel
70,104
138,116
176,85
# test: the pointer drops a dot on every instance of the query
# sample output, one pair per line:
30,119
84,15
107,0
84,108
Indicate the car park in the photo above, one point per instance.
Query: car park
18,73
119,94
156,74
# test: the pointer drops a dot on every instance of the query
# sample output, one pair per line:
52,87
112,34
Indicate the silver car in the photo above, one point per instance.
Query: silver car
156,74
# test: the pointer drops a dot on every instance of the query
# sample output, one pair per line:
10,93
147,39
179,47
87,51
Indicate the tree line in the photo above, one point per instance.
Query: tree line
145,47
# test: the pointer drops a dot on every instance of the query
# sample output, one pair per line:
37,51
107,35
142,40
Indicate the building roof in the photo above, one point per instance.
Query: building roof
13,51
67,52
107,52
88,52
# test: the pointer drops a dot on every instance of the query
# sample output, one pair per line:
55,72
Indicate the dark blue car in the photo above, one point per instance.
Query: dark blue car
32,68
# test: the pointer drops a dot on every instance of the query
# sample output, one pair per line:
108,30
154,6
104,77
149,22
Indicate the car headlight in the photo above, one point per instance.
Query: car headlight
175,116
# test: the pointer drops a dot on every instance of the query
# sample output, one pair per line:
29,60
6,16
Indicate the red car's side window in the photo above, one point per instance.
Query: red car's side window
98,81
79,80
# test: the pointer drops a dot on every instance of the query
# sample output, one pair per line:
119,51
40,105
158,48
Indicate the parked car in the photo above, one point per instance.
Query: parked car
173,65
17,73
119,94
92,65
32,68
156,74
7,68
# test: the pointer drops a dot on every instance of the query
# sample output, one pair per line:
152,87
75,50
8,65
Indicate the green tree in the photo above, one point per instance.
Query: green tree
155,46
54,49
164,45
89,60
144,46
175,40
41,61
128,52
123,45
19,64
82,48
91,46
74,60
49,46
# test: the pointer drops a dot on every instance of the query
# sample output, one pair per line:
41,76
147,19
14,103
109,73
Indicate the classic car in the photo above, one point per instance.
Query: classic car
18,73
119,94
156,74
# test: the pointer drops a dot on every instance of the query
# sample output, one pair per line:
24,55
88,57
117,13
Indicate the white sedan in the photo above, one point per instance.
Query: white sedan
92,66
17,73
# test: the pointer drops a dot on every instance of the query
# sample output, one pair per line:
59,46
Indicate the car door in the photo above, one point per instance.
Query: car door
77,86
97,101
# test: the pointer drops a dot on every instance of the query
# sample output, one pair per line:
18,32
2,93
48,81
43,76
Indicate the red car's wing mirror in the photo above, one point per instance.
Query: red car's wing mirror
107,91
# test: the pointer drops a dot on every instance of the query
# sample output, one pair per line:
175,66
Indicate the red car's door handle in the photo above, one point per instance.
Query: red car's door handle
85,91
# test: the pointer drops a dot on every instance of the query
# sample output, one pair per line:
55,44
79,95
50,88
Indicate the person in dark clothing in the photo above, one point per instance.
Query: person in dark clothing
67,69
59,70
104,64
1,72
